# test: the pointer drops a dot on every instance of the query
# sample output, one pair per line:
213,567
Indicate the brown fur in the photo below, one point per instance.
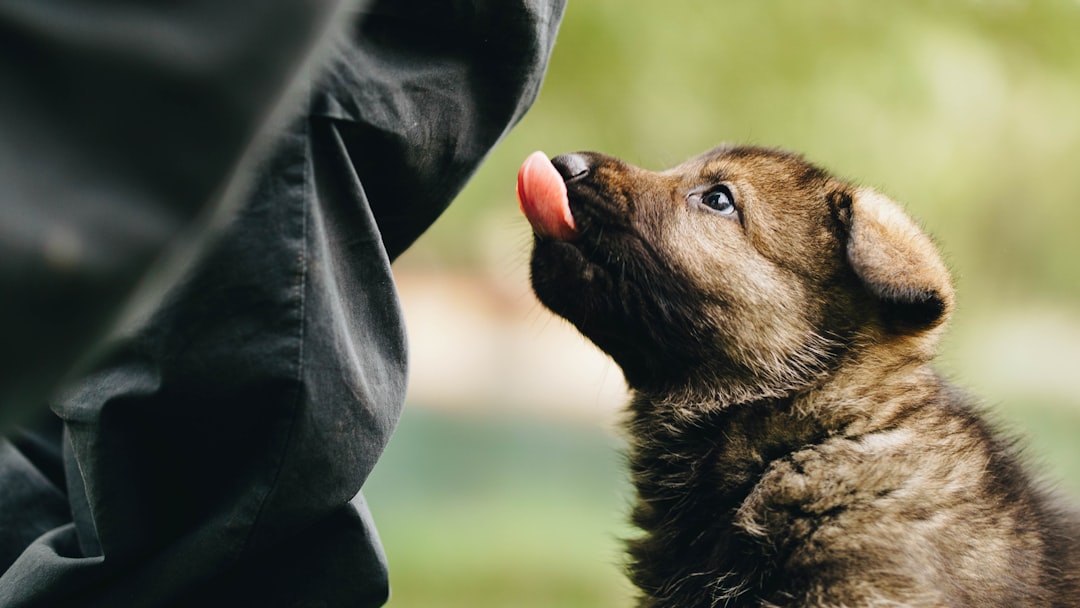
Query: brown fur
789,443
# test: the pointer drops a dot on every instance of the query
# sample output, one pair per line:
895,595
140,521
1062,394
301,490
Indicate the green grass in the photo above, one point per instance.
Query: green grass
475,511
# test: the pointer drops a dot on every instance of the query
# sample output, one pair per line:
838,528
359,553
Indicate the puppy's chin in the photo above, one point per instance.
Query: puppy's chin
579,290
652,347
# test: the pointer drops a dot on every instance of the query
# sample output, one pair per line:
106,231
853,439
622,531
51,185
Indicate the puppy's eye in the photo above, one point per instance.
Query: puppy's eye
720,200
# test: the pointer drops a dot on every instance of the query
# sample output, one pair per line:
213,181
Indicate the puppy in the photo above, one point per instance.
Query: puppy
789,442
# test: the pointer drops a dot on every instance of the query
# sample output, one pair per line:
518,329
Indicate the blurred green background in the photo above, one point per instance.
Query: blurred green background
967,112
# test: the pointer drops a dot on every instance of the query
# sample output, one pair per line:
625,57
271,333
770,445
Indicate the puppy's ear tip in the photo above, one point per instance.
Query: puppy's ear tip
898,264
916,310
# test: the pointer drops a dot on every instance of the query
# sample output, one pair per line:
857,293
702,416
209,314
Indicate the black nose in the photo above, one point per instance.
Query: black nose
571,166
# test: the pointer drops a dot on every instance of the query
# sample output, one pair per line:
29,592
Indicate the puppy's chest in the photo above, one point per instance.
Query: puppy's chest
814,493
746,491
736,474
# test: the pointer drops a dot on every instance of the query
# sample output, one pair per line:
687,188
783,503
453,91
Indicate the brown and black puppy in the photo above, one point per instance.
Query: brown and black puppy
789,441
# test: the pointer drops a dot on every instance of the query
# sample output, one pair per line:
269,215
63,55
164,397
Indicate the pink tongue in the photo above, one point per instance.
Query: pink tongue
542,194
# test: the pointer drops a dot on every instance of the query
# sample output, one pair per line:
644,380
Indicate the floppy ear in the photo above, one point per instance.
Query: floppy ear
895,260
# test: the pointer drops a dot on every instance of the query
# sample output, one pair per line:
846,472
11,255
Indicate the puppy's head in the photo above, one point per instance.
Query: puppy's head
746,270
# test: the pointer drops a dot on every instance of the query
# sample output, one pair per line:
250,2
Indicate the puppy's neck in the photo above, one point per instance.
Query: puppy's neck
863,384
871,390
